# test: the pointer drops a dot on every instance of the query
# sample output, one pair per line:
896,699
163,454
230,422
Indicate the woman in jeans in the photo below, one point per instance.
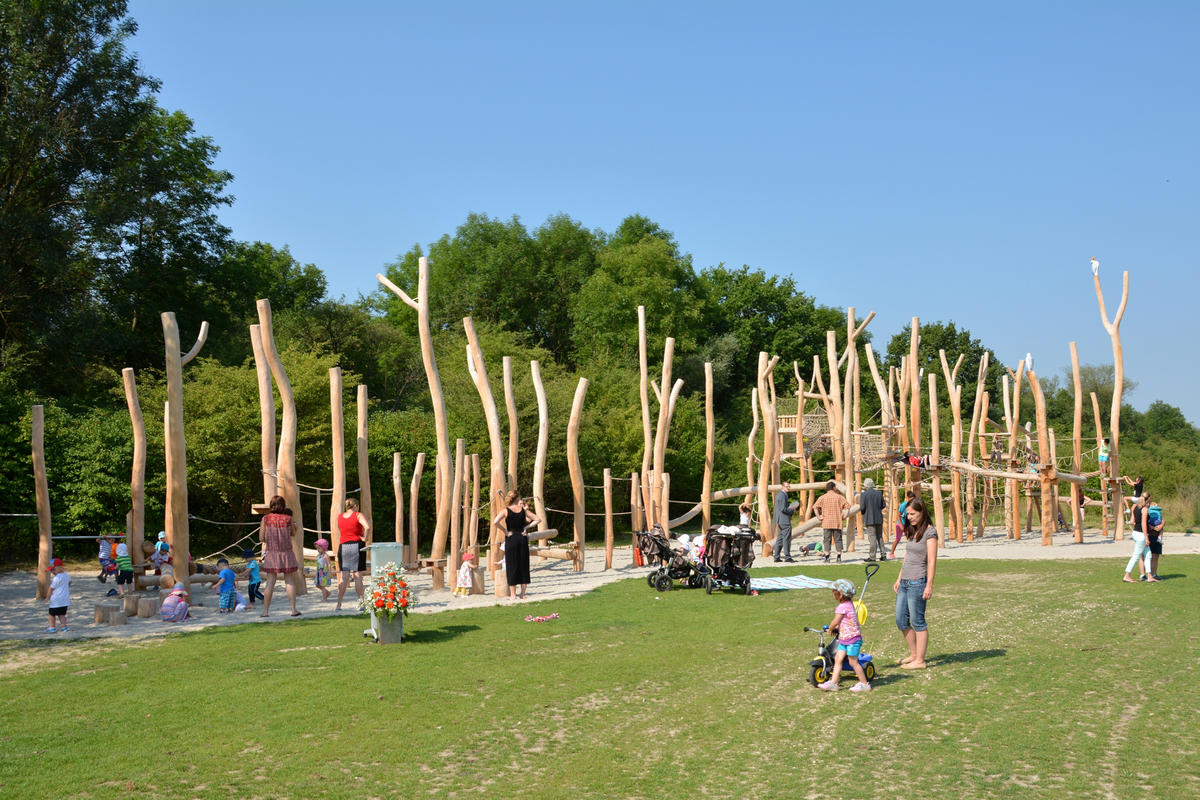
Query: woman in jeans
1140,547
915,585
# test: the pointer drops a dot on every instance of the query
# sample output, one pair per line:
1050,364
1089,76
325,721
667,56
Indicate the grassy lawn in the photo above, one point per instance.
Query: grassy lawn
1049,675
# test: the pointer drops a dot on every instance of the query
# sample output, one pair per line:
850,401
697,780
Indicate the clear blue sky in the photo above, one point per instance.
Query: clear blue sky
948,160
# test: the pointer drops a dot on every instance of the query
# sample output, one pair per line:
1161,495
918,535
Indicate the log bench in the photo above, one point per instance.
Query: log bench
109,613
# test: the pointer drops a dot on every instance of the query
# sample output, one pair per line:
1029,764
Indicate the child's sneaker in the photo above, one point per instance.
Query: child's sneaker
861,687
51,630
828,686
63,629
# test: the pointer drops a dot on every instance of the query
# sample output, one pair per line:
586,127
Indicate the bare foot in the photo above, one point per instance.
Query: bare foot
907,660
1128,579
263,615
913,665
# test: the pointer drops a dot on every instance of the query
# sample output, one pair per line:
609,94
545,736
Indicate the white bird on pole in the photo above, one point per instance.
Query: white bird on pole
1095,266
1029,362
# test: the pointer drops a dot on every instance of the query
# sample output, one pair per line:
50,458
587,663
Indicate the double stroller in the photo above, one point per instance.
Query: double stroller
673,564
728,554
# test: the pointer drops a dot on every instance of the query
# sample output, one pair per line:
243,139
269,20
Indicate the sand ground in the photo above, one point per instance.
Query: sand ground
24,617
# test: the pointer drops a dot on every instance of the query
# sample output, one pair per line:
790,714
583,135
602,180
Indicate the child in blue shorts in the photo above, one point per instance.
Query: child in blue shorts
225,587
849,635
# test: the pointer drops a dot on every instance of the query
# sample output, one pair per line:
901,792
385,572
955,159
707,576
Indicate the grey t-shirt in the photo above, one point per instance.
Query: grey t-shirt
916,556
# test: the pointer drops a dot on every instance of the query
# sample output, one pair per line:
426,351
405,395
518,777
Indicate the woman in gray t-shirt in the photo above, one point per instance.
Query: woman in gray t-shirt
914,586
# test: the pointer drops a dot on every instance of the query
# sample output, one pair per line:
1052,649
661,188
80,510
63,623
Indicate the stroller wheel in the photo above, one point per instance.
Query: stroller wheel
746,585
869,670
650,579
710,583
662,582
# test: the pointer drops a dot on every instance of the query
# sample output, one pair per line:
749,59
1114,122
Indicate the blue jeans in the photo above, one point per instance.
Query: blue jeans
910,605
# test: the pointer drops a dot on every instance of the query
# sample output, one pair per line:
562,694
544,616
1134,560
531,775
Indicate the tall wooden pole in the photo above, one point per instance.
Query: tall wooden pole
935,458
1103,486
954,392
576,470
398,497
709,448
137,479
914,378
661,432
437,400
176,461
478,370
41,490
608,519
647,444
456,499
543,439
364,464
510,405
766,524
337,501
285,483
1077,446
414,492
1048,472
266,413
1114,417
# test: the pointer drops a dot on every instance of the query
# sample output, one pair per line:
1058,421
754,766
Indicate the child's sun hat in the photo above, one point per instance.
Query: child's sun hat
322,543
844,587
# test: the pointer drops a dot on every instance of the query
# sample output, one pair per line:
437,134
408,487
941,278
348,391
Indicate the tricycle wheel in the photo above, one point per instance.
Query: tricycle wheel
818,674
869,670
662,582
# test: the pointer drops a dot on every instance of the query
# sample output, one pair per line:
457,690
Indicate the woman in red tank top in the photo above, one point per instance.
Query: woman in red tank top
353,528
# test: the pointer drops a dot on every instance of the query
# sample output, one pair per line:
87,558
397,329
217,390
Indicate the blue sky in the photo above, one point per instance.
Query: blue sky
946,160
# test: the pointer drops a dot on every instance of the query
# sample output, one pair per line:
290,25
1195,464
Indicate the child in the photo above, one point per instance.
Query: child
161,554
175,606
108,564
324,577
225,587
124,568
845,622
1103,457
60,596
744,515
811,548
254,590
466,576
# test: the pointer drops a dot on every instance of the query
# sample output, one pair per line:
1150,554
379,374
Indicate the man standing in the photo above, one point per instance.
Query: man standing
783,523
832,508
871,505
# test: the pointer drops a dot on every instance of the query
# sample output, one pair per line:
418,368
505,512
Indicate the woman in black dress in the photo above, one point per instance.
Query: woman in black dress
516,517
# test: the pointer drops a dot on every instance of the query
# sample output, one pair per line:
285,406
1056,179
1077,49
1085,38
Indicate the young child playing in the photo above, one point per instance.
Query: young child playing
124,568
324,577
465,576
161,554
108,564
744,515
845,622
225,587
254,589
60,596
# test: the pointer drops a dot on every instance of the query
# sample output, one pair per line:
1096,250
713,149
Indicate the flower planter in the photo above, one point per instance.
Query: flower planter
390,631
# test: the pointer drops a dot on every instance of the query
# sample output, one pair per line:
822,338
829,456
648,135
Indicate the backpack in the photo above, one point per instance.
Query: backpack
1154,515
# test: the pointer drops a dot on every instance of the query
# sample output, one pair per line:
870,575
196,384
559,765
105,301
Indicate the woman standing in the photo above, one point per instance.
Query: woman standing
353,527
914,587
516,517
1139,540
278,528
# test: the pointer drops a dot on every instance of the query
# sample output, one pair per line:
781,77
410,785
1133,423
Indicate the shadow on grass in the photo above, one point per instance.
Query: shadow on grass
889,678
1171,576
436,635
963,658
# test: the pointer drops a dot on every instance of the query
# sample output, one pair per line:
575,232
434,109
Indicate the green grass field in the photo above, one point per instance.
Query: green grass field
1048,675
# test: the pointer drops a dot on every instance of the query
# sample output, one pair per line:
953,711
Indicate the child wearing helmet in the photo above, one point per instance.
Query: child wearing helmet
849,636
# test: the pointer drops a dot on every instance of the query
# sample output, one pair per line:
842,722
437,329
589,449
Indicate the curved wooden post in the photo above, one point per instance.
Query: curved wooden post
576,470
635,505
935,460
474,518
510,405
1049,470
436,397
914,378
176,448
709,448
364,464
266,413
1077,446
1103,486
414,490
766,465
664,502
478,370
42,497
137,478
337,500
398,497
750,453
647,443
662,431
456,497
539,461
608,519
286,462
835,402
1113,482
954,392
978,418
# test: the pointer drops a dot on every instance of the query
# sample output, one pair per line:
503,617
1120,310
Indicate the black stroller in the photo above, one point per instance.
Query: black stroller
729,552
673,565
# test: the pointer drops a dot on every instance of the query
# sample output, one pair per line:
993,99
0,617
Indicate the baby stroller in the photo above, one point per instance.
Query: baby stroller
673,565
729,552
